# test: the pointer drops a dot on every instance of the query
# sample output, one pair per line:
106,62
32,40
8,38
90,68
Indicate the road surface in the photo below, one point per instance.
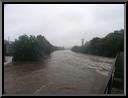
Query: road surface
63,73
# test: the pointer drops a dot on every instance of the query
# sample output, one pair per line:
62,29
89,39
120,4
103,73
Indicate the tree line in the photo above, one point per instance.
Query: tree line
107,46
31,48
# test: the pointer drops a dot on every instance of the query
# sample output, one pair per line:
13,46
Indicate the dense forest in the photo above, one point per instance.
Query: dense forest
31,48
107,46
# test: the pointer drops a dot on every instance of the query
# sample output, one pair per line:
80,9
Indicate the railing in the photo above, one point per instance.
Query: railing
109,81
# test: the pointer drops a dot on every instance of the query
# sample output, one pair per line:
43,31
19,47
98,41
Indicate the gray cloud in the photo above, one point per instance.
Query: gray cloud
62,24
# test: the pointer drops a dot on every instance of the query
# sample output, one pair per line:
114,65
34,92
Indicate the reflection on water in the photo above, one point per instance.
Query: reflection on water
62,72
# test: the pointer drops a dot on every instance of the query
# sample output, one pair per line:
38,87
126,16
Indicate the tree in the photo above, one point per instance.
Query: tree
30,48
108,46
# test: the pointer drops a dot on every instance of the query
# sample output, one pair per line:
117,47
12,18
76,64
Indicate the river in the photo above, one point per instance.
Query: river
63,73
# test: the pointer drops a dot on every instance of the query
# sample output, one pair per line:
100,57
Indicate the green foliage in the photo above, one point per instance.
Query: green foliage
76,48
108,46
31,48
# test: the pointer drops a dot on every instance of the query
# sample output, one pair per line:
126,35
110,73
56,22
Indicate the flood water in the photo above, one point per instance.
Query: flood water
63,73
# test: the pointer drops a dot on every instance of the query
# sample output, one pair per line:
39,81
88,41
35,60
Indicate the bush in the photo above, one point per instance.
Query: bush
30,48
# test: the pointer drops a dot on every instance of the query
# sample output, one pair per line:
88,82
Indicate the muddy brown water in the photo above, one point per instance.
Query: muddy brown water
63,73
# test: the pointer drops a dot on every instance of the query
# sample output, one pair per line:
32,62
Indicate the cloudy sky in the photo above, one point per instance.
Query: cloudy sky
62,24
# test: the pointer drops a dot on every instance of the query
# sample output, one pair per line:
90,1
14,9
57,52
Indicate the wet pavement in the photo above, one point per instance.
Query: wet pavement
63,73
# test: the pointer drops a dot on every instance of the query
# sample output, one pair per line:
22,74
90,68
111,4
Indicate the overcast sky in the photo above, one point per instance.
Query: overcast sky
62,24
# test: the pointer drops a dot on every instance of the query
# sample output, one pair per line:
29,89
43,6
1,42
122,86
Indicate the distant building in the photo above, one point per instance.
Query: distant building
8,47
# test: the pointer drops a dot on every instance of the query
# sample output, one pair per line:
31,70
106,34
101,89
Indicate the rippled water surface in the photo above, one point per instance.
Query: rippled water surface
63,73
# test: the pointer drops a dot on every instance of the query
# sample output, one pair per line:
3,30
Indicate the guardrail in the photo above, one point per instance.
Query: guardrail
109,81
